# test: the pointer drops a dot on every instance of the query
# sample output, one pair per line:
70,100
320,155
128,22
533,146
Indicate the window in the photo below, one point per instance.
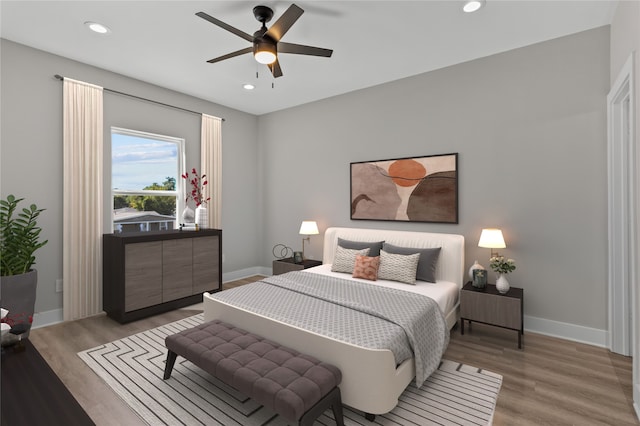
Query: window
146,180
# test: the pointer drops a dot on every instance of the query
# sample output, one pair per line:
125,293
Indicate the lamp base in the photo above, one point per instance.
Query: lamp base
308,239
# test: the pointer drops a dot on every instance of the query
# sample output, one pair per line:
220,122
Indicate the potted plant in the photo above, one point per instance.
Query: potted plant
19,240
502,267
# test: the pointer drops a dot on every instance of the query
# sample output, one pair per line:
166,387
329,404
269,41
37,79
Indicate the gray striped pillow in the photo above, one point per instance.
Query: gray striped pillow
398,267
345,259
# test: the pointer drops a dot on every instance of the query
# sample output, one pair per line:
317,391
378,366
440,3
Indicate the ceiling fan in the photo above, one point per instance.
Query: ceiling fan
266,41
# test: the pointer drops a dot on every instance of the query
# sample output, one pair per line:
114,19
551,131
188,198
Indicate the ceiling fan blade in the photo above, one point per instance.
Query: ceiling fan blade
300,49
282,25
225,26
275,69
231,55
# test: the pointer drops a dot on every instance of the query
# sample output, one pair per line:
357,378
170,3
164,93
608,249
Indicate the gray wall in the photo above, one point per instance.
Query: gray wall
530,129
31,150
529,126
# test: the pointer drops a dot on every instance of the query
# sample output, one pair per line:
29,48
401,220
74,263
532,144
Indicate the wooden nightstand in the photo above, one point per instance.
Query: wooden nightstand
488,306
280,266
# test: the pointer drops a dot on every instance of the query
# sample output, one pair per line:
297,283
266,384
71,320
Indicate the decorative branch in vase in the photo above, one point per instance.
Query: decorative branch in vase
502,267
196,193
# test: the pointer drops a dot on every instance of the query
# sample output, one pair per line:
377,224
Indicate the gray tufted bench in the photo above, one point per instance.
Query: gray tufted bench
296,386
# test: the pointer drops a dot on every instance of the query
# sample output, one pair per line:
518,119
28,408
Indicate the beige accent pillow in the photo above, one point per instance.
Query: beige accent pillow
398,267
345,259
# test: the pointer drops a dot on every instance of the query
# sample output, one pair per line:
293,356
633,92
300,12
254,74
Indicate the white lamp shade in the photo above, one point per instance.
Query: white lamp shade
309,227
491,238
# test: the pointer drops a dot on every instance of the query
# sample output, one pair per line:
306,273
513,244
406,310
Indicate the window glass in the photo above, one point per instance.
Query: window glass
145,171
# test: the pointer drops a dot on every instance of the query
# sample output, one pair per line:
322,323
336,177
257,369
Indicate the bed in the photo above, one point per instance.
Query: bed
373,379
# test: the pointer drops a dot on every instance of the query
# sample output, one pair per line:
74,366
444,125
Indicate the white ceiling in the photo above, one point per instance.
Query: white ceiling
164,43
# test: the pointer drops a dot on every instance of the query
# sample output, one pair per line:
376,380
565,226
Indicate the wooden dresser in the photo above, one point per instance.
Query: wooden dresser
152,272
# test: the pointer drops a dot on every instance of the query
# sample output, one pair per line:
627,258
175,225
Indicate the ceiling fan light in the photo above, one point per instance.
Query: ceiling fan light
264,51
265,57
473,5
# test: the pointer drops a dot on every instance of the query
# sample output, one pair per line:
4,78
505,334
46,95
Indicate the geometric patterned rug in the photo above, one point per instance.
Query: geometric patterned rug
455,394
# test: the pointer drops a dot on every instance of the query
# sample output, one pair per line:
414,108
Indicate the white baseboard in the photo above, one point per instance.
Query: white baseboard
245,273
636,399
43,319
563,330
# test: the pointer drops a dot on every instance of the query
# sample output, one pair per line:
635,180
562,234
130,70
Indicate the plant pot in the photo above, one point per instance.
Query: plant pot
18,296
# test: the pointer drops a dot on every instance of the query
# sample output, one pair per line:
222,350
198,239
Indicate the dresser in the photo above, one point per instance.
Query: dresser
152,272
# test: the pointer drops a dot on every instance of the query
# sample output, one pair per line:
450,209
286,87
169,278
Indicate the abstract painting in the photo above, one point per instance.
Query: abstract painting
417,189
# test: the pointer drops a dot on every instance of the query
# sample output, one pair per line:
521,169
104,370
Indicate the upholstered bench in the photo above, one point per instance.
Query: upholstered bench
296,386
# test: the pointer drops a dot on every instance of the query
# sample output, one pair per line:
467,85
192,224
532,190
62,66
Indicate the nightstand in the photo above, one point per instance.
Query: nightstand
280,266
488,306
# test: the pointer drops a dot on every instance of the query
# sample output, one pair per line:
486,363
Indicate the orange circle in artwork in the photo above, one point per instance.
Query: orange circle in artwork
406,172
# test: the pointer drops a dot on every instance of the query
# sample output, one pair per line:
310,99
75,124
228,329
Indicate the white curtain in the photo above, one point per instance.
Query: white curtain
211,165
82,199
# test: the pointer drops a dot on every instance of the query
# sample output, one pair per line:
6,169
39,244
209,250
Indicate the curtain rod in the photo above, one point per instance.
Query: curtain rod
61,78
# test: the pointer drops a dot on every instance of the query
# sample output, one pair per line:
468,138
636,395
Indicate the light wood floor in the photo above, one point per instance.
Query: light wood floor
550,382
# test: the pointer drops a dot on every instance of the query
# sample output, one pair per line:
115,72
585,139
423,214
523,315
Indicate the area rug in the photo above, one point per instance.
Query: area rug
455,394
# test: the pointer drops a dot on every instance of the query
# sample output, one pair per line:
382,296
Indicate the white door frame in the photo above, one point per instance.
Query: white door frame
624,221
622,209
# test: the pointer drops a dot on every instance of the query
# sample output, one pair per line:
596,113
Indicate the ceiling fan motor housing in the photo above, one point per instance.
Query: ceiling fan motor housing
264,47
263,13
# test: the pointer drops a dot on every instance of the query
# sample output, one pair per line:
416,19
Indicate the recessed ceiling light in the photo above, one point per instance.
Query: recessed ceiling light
473,5
97,28
249,86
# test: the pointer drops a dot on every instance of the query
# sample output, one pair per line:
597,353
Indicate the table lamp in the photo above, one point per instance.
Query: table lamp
492,238
308,228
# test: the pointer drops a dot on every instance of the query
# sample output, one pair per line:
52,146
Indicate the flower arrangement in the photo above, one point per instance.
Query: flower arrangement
197,187
502,266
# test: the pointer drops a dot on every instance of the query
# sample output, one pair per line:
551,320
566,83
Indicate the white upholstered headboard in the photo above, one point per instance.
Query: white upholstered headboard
450,264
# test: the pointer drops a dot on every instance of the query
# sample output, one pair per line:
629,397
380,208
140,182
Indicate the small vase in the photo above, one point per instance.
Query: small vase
502,285
475,265
188,215
202,219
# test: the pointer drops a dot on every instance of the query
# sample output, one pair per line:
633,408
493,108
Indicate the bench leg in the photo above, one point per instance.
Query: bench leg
337,409
332,399
171,360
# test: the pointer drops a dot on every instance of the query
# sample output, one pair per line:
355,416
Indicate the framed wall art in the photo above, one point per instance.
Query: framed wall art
414,189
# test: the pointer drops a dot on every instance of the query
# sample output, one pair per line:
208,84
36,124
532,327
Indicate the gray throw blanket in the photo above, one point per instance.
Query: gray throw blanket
366,315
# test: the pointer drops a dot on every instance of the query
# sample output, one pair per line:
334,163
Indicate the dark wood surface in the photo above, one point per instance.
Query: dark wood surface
32,394
280,266
137,285
489,306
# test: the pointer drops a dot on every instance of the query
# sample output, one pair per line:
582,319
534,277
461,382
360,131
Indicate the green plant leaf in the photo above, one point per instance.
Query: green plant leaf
19,236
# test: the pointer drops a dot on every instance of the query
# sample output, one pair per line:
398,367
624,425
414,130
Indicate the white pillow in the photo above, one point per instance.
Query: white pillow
398,267
345,259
